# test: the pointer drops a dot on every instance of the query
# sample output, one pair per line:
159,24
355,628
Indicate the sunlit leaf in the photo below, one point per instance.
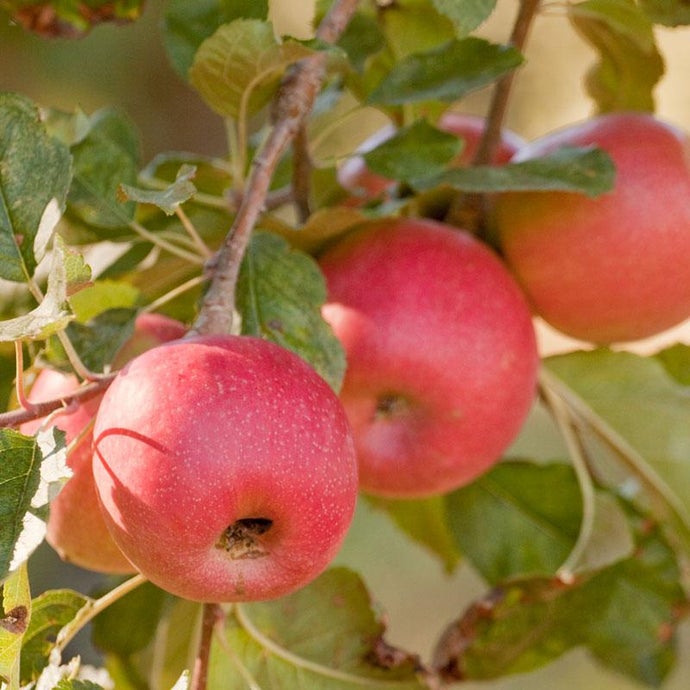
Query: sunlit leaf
237,70
187,24
676,361
466,16
446,73
15,615
32,470
280,292
637,399
587,171
35,174
630,65
51,315
324,637
50,612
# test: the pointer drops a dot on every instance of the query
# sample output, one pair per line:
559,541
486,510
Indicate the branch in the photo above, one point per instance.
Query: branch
467,209
293,103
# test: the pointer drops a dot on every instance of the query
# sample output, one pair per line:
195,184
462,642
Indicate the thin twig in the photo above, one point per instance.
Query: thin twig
293,102
301,174
40,409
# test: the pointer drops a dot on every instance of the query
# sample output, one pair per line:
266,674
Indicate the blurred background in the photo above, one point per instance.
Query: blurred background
125,66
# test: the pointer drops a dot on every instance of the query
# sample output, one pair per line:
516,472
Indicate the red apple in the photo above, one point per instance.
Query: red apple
76,529
225,467
441,353
612,268
365,185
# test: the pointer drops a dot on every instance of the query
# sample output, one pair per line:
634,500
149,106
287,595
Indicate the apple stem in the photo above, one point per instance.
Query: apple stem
211,616
293,102
469,210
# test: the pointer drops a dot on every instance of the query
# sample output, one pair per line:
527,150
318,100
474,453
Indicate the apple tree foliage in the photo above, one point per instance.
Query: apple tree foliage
588,550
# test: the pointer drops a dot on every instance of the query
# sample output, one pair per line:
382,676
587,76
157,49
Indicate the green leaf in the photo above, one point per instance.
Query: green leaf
50,612
518,519
466,16
15,615
187,24
51,315
413,26
362,38
676,361
101,296
585,170
34,178
129,624
280,292
168,199
103,160
238,69
324,637
69,19
416,151
633,402
212,175
626,614
32,470
446,73
667,12
426,522
630,65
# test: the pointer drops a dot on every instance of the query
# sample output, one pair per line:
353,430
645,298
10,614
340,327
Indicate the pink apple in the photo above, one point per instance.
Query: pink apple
612,268
365,185
441,353
76,529
225,467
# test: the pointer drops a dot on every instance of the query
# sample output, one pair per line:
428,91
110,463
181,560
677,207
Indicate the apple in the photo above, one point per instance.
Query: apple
441,353
364,185
612,268
225,467
76,529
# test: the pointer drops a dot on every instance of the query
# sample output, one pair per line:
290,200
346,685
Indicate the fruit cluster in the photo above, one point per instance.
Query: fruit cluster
224,468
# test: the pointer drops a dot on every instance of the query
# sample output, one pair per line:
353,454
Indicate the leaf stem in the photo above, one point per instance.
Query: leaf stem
23,401
92,608
564,420
293,102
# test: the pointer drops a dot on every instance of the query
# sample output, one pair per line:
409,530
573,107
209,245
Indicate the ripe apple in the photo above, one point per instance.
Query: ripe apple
441,353
225,467
365,185
76,529
612,268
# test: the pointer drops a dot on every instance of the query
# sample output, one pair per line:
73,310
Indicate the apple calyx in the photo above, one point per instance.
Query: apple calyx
241,539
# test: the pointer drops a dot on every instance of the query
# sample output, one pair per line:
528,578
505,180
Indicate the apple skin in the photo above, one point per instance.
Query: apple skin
226,469
76,529
612,268
441,351
365,185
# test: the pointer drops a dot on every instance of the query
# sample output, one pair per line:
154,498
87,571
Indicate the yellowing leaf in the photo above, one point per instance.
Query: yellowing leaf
238,68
